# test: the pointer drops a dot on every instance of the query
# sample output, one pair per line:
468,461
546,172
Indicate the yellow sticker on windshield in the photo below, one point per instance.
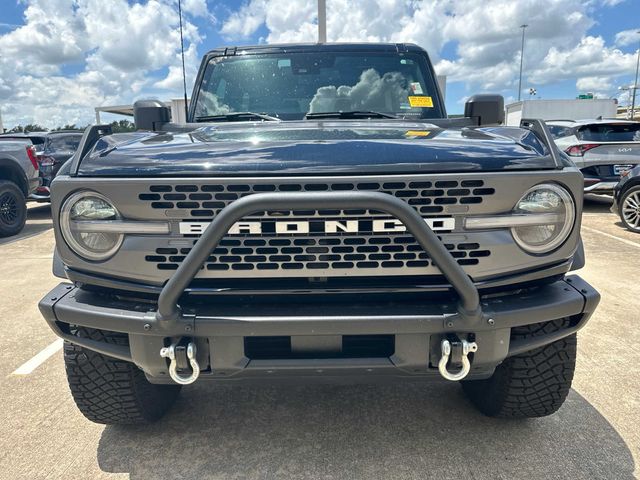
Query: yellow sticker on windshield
417,133
420,102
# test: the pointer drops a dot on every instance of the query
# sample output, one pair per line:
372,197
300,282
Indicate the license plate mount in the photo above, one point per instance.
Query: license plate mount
620,169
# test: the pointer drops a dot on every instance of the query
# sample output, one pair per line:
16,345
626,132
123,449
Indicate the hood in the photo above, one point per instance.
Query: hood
316,147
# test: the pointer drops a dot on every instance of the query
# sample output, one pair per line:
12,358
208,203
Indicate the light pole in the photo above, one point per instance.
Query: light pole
627,89
523,26
635,86
322,21
184,71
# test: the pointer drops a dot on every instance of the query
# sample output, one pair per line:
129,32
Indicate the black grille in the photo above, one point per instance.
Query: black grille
205,201
388,251
317,253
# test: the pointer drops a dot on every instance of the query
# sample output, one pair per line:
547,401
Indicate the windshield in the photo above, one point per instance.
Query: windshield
64,143
610,132
290,85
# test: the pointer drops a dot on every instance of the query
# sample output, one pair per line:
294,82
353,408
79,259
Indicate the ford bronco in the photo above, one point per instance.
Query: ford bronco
318,217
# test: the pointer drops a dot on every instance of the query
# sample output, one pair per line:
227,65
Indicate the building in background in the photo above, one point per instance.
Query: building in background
624,112
560,109
176,105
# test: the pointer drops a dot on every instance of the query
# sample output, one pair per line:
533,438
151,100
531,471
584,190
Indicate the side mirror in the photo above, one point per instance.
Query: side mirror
150,114
487,108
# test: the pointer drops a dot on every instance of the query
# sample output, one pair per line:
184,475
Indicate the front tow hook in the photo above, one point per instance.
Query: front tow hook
170,353
466,348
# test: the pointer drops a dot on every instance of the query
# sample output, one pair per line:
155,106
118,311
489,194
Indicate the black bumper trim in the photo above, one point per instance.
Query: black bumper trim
46,306
68,305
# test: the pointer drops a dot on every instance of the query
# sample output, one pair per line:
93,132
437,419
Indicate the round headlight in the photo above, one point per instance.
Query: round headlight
545,201
77,215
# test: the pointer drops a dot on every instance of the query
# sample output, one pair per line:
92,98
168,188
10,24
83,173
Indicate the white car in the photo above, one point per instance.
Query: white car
603,149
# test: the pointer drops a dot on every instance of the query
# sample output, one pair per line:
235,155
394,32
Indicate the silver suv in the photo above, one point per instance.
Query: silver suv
602,149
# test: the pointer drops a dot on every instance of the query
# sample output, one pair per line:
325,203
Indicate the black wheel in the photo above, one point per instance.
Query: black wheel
533,384
111,391
630,209
13,209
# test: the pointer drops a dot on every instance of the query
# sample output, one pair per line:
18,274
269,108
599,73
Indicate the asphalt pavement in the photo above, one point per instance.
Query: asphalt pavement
402,431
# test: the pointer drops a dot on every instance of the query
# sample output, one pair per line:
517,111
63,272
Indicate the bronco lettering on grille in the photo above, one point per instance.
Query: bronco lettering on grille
317,226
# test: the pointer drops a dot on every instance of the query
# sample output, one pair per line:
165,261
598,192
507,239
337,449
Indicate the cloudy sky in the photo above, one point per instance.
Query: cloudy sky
61,58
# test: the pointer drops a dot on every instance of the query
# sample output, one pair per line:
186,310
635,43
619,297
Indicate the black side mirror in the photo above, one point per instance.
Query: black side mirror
487,108
150,114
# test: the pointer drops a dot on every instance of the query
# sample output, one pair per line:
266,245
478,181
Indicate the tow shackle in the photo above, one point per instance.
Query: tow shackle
170,353
467,347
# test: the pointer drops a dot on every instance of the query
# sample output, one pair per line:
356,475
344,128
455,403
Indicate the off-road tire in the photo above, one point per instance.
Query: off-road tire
13,209
632,195
111,391
532,384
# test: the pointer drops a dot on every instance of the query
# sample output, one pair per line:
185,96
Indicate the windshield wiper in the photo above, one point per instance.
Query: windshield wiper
237,117
349,114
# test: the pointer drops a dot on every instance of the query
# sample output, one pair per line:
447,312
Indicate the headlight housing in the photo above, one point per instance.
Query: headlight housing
552,201
76,216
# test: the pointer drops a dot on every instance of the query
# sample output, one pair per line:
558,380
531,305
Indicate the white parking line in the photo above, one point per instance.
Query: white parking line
623,240
28,367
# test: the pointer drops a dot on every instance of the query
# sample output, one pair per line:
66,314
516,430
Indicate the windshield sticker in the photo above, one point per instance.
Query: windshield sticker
417,133
416,88
420,102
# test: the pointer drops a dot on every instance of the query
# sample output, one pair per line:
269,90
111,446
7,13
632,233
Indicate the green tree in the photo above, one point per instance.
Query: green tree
121,126
68,126
34,127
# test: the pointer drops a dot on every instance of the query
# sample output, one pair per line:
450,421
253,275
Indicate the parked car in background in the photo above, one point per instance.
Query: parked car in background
626,199
603,149
38,139
18,179
58,148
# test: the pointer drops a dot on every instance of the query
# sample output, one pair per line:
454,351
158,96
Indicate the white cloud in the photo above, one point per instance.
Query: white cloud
173,81
197,8
591,57
594,84
486,35
245,22
46,38
121,51
628,37
118,50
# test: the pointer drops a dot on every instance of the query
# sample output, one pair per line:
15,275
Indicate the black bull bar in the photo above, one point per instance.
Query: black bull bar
468,309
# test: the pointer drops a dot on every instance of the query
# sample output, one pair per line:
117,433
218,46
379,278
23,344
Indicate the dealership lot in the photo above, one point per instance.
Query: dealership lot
367,431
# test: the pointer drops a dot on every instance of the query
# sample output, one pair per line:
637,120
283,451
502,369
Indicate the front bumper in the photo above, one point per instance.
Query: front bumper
417,327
